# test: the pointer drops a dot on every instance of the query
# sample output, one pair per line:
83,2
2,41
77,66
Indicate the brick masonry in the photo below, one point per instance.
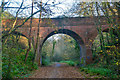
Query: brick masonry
84,27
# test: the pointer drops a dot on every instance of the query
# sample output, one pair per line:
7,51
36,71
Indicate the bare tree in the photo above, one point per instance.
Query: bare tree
29,40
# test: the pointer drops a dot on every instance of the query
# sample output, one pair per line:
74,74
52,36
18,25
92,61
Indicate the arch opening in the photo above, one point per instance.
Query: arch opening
76,37
68,32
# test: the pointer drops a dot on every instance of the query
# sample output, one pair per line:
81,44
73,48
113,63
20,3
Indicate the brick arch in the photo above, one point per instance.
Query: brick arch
14,33
75,36
68,32
107,30
83,26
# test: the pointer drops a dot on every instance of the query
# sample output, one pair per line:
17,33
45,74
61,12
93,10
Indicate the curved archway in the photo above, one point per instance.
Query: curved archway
68,32
22,39
108,39
78,40
14,33
108,29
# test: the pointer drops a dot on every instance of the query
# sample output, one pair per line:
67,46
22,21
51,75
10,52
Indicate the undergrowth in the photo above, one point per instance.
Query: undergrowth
94,69
13,64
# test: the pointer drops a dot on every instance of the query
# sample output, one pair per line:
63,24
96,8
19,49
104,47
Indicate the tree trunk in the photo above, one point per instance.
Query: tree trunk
37,42
29,41
118,7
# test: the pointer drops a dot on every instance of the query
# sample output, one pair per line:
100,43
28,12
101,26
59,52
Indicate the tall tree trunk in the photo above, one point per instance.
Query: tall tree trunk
29,41
54,42
1,13
37,42
99,28
118,9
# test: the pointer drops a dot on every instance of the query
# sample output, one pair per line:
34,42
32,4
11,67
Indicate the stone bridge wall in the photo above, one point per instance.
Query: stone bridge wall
84,27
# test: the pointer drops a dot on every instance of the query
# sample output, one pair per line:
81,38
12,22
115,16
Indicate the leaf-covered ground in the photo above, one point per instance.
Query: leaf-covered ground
58,70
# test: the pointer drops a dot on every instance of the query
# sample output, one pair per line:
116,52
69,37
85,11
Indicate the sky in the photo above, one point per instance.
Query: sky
55,36
59,10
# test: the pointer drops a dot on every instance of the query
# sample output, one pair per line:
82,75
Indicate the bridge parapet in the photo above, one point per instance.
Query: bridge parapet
56,22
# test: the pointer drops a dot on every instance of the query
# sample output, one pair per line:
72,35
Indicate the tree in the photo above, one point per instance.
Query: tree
111,13
43,8
29,35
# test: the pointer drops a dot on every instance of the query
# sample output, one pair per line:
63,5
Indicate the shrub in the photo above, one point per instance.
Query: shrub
13,63
45,62
71,63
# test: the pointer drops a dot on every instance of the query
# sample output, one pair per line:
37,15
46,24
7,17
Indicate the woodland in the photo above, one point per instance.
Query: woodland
18,53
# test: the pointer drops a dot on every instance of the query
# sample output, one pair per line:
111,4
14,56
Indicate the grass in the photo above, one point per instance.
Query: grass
45,62
71,63
92,70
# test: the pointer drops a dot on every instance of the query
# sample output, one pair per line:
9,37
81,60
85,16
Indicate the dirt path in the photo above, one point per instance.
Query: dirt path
58,70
